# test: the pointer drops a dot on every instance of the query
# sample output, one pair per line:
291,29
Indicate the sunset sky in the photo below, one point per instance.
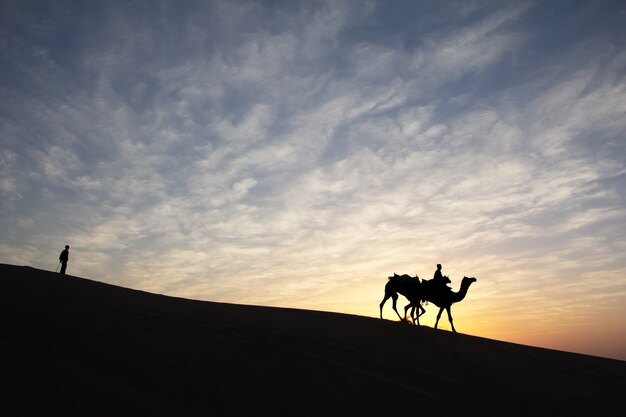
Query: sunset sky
297,153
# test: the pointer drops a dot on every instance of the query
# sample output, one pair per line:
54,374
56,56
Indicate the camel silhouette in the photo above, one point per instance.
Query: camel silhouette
416,292
407,286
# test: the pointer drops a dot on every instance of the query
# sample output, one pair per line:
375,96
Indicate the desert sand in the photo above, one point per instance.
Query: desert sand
79,347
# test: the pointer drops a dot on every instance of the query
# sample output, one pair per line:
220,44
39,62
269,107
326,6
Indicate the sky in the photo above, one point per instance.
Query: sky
297,153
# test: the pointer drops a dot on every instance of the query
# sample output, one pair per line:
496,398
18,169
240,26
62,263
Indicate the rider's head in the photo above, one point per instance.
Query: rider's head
438,266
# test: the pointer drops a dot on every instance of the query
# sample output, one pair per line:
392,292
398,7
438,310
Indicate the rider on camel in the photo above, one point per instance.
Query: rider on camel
439,279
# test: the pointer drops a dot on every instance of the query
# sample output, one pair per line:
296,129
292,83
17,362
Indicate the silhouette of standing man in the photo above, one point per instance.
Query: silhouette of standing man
63,258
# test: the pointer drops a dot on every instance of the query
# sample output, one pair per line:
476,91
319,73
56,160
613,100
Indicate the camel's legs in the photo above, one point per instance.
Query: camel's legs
394,299
406,309
413,316
416,319
421,311
382,303
438,316
450,319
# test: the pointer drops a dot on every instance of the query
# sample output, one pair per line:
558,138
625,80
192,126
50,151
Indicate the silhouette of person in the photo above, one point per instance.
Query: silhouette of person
438,276
439,279
64,257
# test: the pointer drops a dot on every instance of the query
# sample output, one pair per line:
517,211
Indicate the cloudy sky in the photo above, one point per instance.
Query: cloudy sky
297,153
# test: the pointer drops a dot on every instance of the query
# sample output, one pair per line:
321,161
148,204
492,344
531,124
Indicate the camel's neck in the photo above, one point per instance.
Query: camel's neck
460,295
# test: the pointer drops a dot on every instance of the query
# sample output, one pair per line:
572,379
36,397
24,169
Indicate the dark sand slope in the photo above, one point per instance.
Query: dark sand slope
80,347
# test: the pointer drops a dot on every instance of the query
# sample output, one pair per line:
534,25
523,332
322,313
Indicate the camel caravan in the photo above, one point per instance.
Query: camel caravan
435,291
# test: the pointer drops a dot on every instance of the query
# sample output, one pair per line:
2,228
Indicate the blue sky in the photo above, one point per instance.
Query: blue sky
297,153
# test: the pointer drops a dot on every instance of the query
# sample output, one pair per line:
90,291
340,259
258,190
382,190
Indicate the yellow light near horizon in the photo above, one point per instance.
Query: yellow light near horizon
496,309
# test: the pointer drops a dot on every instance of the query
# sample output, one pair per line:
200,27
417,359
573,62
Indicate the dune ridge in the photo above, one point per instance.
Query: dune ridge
82,347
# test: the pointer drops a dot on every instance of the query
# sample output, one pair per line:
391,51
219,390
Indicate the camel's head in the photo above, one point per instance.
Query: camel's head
468,280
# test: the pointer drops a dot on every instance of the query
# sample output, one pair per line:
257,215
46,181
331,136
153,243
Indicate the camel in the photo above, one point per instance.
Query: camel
407,286
415,293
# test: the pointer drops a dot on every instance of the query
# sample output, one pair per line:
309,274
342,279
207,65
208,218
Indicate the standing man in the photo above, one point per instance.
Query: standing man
64,257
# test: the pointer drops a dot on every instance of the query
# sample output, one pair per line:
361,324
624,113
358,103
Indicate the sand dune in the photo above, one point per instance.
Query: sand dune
85,348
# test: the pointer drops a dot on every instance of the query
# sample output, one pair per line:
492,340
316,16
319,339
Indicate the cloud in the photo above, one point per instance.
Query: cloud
470,49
